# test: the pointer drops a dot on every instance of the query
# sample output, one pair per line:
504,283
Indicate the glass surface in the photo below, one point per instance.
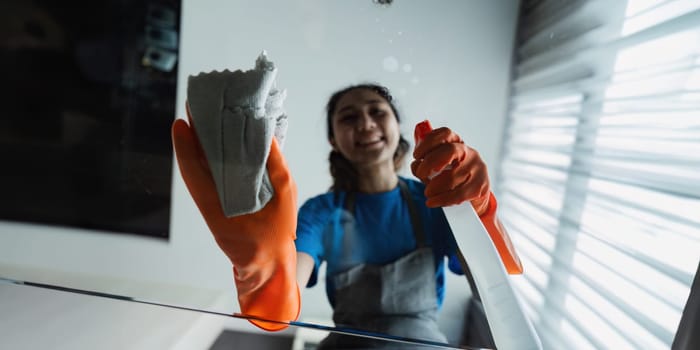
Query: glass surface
448,61
87,319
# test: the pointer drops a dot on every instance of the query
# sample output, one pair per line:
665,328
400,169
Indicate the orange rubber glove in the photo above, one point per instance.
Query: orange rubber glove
454,173
260,245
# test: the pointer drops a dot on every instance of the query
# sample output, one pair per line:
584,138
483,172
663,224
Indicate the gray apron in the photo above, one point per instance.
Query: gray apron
397,299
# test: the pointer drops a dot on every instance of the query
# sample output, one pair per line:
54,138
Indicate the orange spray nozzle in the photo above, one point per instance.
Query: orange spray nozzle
422,129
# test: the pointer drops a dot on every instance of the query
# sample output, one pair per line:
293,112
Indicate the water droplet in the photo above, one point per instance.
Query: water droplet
415,81
400,32
390,64
407,68
391,41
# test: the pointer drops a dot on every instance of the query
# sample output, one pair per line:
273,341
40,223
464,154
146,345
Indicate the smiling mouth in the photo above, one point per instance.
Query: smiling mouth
370,143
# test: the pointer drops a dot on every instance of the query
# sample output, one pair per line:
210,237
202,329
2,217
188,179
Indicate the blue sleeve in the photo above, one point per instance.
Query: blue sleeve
312,221
454,264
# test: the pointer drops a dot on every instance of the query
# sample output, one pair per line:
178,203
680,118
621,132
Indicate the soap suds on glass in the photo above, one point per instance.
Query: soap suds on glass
390,64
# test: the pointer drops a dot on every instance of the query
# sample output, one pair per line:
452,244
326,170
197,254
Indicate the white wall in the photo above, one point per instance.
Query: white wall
452,63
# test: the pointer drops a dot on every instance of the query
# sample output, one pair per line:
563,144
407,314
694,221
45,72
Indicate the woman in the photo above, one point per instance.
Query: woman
384,238
384,247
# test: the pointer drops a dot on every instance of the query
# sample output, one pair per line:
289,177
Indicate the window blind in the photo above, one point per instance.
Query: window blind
599,180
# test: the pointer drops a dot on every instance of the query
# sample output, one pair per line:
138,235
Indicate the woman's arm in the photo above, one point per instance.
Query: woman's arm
260,245
305,266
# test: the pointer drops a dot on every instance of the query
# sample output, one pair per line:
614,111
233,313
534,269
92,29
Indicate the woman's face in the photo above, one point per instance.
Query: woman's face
365,128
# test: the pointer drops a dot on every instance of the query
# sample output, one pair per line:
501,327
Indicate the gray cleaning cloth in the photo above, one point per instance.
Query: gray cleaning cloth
235,116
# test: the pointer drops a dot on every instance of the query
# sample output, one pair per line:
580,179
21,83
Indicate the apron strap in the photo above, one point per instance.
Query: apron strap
418,231
420,237
416,221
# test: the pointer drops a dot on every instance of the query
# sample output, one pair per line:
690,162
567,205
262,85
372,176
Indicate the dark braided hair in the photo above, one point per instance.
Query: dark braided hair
343,172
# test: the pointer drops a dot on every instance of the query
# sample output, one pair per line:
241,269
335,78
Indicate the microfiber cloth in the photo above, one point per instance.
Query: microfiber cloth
235,115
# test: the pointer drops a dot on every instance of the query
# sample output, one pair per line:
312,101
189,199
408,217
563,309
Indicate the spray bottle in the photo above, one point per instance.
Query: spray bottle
510,327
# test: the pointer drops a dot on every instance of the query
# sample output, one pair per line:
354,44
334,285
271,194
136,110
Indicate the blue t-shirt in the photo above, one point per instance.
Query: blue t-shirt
383,233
